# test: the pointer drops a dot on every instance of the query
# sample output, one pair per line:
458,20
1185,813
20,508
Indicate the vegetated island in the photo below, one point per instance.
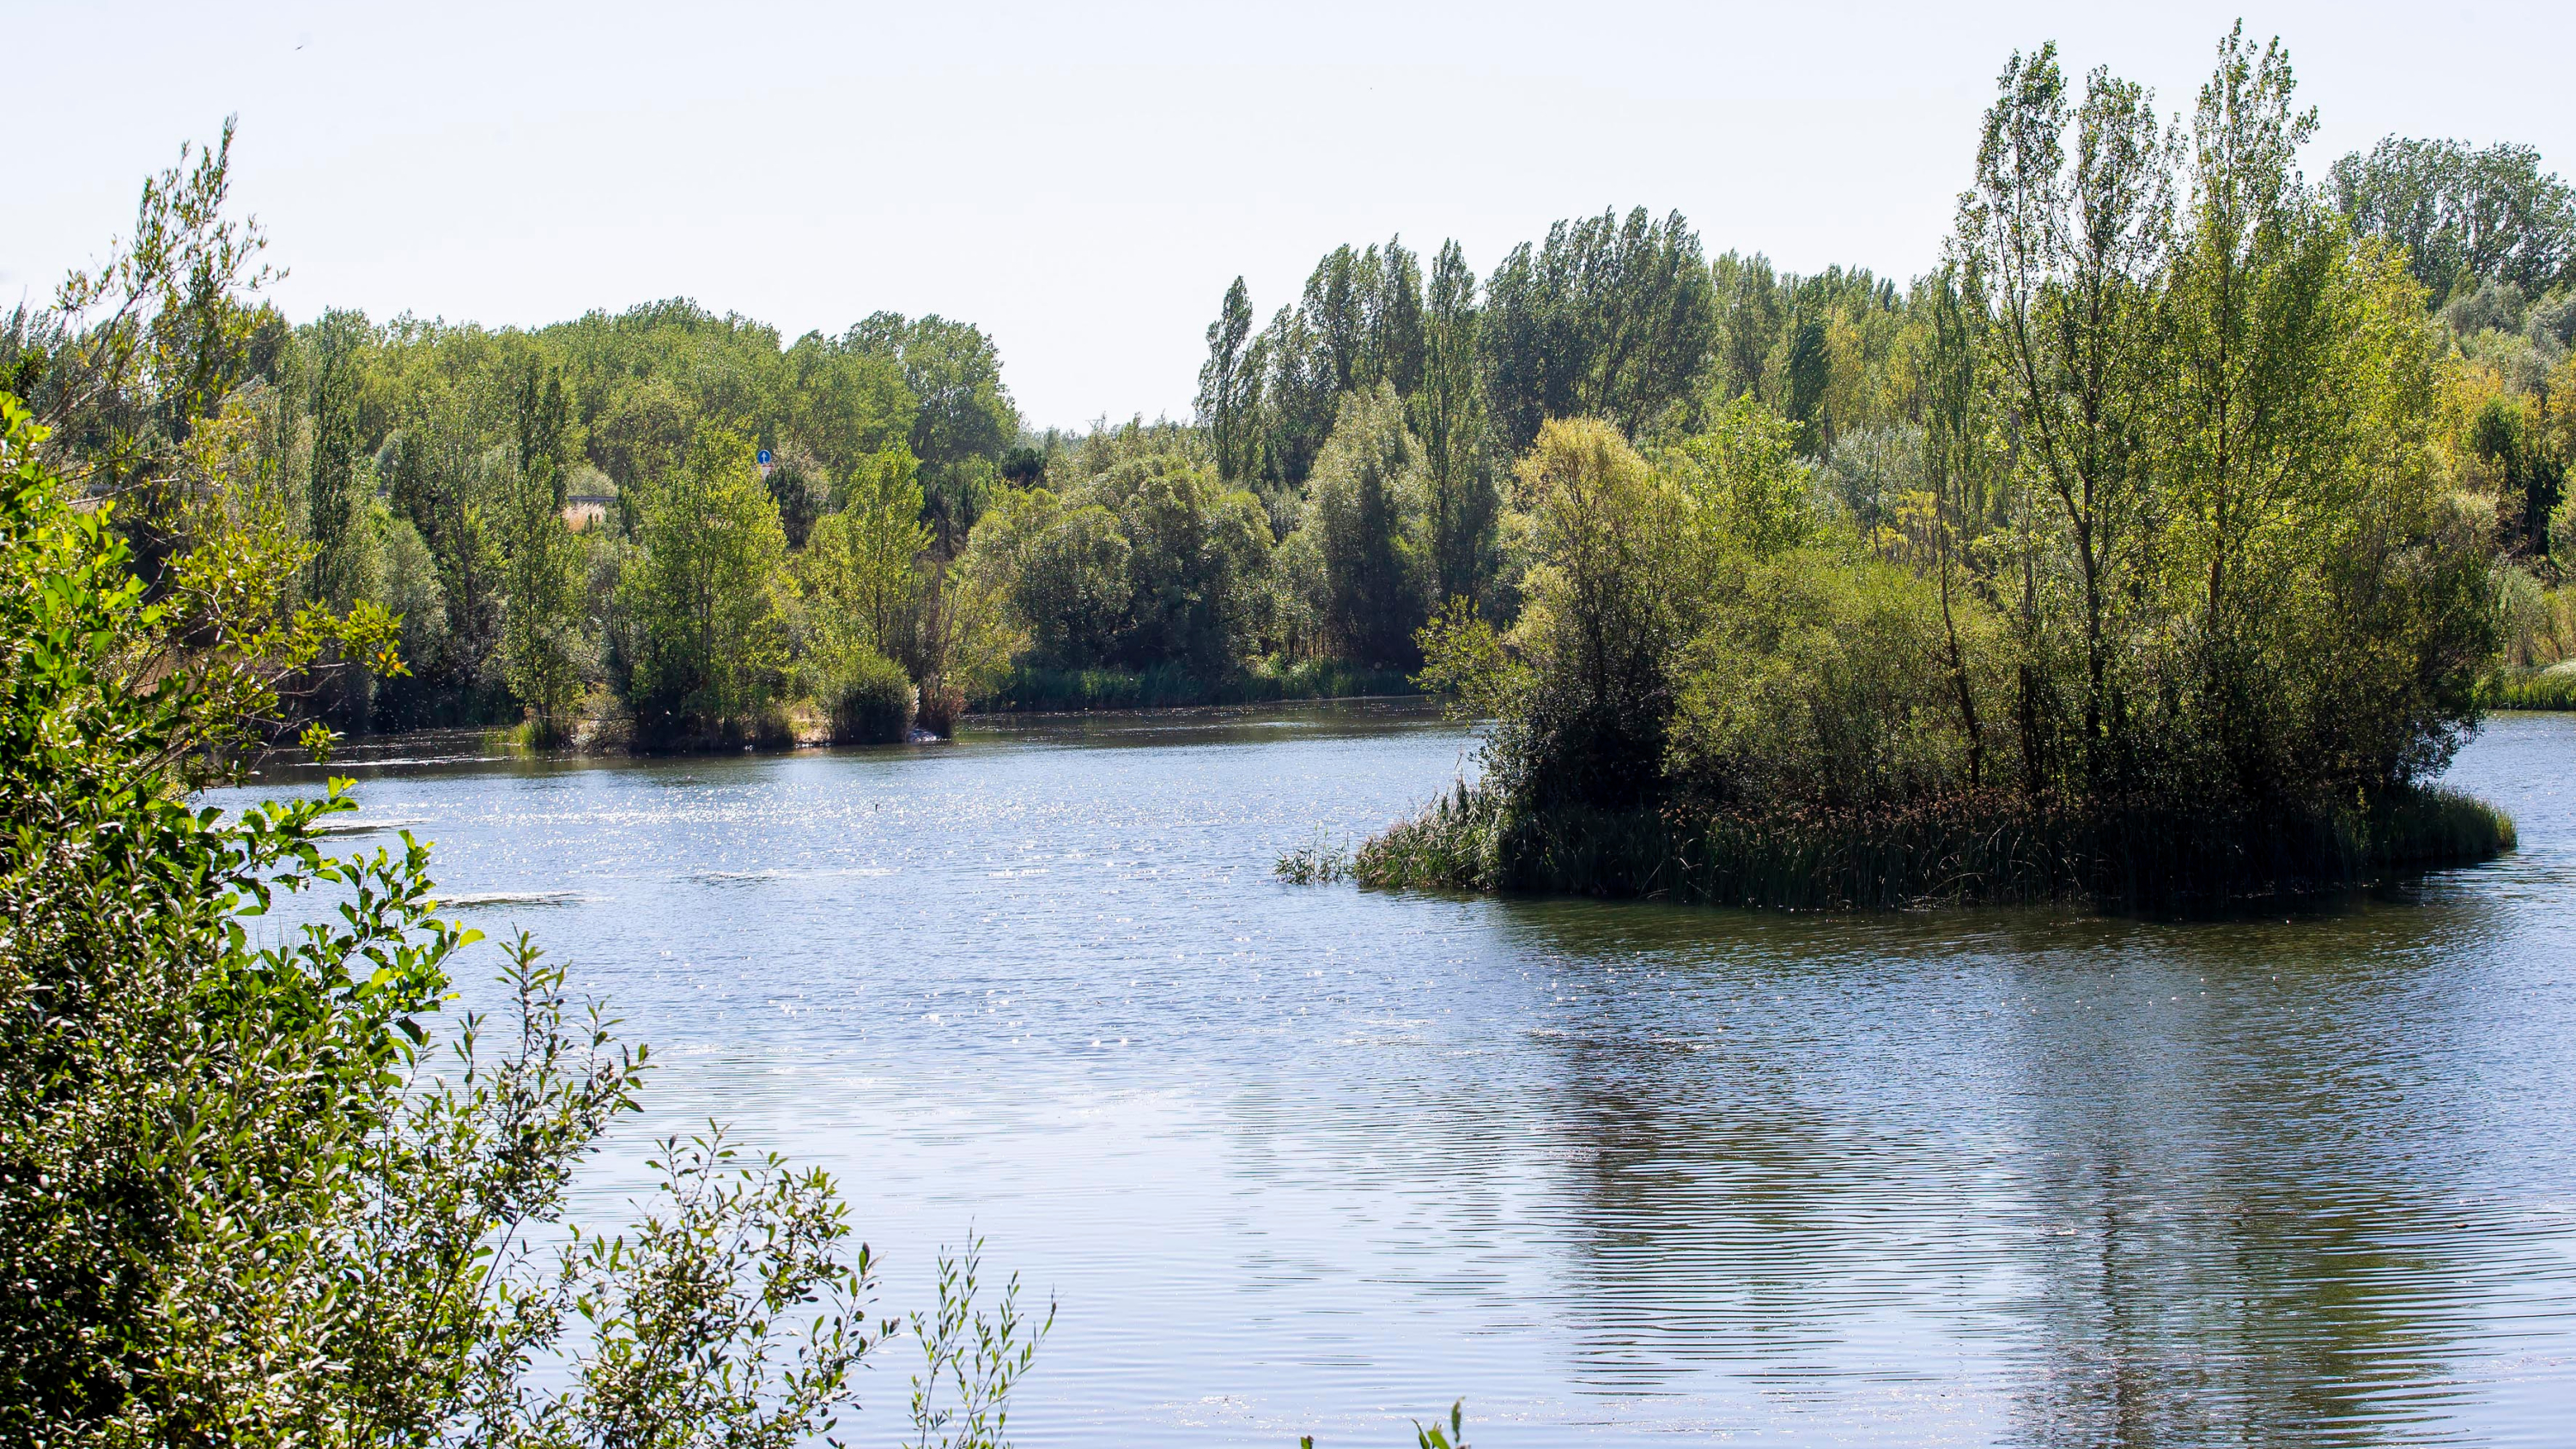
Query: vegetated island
2187,601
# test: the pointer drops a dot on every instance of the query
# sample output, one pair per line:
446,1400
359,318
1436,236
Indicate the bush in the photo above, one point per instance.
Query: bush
1170,686
870,701
247,1194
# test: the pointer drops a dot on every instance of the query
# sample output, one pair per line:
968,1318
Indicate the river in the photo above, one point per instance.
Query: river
1319,1160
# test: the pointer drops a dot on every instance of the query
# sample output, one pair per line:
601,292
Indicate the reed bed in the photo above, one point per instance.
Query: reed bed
1317,862
1976,850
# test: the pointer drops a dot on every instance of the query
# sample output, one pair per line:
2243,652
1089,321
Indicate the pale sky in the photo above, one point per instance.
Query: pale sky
1084,180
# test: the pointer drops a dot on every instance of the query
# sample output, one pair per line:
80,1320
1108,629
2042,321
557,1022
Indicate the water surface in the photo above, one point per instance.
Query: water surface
1319,1160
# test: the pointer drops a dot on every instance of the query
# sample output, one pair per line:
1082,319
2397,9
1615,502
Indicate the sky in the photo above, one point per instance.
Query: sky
1083,181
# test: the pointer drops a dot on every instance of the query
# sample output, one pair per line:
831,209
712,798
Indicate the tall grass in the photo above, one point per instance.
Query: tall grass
2551,688
1167,686
1984,850
1317,862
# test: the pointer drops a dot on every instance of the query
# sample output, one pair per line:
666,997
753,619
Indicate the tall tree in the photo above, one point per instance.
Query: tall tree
1367,518
706,638
541,650
2491,215
1610,318
334,512
1448,413
1748,324
1230,387
2070,255
1395,320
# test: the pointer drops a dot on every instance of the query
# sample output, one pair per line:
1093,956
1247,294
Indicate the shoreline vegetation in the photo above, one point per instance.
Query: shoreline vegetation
1963,852
2546,687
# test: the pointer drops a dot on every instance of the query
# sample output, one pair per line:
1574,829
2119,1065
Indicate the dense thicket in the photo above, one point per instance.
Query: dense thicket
2163,584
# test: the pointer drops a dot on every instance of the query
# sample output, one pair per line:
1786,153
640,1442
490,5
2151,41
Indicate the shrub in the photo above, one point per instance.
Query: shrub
870,701
247,1196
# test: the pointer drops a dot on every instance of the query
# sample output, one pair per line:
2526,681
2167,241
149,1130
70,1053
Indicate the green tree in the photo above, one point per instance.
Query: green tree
965,417
439,484
1396,340
706,638
863,552
334,510
1229,399
799,486
2070,256
1196,559
1073,586
139,350
248,1196
542,651
1607,318
1748,324
2463,215
1601,628
1448,416
1367,517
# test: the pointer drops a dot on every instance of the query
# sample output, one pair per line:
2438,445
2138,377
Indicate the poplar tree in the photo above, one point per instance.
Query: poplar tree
541,652
1448,415
1229,387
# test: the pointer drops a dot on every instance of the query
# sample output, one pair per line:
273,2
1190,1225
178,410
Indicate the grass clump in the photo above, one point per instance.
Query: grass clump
1317,862
2553,687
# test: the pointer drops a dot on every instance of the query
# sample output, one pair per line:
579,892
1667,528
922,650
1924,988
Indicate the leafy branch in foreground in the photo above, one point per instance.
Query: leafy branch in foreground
971,1358
247,1194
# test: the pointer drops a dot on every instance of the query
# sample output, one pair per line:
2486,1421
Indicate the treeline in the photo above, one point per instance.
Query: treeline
2169,567
571,528
2491,237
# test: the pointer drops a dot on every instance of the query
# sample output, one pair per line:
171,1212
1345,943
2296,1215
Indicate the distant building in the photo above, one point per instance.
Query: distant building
582,510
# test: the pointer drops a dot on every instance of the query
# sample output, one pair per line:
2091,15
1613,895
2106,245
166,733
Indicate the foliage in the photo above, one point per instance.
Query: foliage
706,637
247,1196
1317,862
868,697
1366,514
971,1357
856,579
2463,216
2169,585
543,659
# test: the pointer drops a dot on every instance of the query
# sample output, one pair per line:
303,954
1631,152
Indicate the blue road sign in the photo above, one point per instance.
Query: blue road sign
764,457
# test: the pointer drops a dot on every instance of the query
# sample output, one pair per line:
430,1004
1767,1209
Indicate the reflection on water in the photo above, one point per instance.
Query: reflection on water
1318,1160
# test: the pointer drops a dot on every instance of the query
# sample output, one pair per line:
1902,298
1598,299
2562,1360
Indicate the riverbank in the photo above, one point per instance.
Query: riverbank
605,729
1954,852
